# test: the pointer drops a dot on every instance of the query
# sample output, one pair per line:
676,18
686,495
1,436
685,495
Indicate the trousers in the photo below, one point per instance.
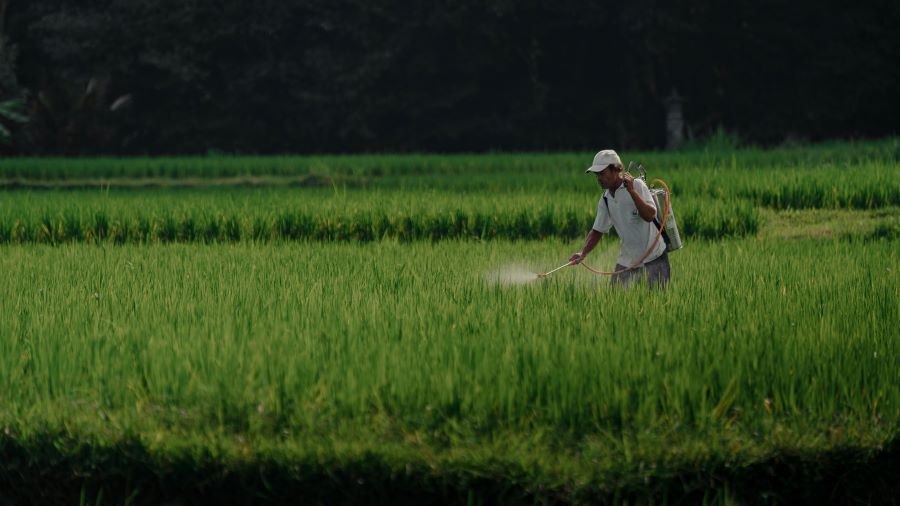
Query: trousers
657,273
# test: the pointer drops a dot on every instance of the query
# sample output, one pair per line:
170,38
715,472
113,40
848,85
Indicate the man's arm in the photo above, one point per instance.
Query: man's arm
590,242
647,211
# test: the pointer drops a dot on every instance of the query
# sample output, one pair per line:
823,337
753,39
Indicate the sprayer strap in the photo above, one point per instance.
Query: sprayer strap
659,227
659,231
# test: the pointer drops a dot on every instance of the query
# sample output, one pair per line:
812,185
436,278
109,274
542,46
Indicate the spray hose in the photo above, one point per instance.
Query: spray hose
652,245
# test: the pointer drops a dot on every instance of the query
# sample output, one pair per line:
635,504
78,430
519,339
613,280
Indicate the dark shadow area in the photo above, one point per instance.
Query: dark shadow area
129,474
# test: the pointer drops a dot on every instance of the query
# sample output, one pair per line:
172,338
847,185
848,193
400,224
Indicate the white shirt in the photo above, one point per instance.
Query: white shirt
636,234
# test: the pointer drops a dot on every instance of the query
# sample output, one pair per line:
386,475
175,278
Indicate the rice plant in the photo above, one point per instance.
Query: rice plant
420,355
266,215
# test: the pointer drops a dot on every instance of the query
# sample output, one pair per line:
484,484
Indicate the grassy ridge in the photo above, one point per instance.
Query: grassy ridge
869,185
266,215
415,354
838,154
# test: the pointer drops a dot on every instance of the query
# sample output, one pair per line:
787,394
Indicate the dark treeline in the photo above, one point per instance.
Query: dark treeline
190,76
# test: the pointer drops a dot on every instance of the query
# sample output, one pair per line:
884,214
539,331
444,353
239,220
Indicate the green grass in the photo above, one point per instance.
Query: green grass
842,176
353,339
837,154
145,216
829,223
411,353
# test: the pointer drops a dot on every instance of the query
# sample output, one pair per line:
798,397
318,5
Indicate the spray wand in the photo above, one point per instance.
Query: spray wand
545,274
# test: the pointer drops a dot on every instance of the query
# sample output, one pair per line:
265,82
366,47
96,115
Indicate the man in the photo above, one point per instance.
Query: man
627,205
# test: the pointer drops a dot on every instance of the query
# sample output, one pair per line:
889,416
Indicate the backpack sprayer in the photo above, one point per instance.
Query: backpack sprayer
667,228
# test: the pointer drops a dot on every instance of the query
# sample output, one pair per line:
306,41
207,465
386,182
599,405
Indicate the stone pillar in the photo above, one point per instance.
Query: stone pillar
674,120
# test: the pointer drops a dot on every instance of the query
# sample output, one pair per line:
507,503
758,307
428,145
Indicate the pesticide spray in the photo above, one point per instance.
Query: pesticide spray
512,275
667,229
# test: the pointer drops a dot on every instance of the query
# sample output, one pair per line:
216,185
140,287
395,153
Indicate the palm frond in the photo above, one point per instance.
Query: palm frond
9,110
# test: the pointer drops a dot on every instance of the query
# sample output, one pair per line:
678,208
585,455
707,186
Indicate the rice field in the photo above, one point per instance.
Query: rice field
147,216
556,165
389,342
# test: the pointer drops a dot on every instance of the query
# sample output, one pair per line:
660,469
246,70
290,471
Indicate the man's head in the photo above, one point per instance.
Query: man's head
608,168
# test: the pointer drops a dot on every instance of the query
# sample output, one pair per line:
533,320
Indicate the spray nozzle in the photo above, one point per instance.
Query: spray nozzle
545,274
639,168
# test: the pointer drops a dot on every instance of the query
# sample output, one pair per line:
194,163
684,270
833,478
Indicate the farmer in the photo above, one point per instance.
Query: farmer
627,205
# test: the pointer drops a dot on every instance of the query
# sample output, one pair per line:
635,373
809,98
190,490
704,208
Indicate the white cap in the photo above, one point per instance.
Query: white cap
603,160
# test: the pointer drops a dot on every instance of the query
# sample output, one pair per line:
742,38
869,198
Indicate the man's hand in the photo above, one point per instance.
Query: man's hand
645,210
629,181
576,258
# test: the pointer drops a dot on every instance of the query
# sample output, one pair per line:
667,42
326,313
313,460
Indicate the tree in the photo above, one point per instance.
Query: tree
449,75
10,112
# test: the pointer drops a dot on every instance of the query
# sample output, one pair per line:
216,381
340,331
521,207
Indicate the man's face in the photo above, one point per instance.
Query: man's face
608,178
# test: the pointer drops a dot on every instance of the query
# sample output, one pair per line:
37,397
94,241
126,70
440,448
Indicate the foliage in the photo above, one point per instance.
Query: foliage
76,118
10,111
394,75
